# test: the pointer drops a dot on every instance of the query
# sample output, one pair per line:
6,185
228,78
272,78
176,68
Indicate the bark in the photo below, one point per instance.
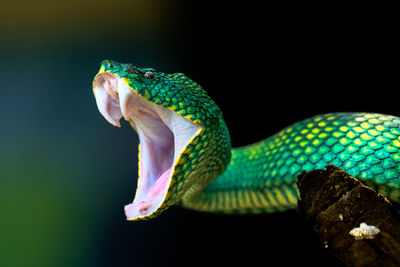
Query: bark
334,203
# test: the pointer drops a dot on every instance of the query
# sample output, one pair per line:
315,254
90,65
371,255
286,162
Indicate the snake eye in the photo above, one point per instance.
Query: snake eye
149,75
111,66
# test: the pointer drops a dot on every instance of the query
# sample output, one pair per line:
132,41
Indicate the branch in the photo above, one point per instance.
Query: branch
354,222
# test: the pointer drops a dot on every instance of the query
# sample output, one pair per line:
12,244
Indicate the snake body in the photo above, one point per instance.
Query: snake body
262,177
208,175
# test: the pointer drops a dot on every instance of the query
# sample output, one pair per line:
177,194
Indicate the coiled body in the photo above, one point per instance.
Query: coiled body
262,177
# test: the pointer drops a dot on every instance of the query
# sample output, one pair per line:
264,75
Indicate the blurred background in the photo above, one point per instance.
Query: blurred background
65,173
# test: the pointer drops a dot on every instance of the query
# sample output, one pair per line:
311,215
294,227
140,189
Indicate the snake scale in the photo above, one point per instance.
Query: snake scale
185,154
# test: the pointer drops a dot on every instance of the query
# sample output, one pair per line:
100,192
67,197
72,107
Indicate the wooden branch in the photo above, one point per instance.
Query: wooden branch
334,203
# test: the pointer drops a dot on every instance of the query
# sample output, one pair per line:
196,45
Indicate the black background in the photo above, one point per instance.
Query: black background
66,174
268,67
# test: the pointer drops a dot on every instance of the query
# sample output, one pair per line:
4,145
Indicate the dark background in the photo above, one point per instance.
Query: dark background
65,174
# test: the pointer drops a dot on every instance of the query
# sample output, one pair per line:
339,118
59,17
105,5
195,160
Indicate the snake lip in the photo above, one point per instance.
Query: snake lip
163,136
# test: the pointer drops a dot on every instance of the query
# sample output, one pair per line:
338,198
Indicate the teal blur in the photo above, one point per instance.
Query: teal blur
66,174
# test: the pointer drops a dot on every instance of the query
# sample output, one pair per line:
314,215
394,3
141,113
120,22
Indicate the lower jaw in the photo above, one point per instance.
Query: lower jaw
141,207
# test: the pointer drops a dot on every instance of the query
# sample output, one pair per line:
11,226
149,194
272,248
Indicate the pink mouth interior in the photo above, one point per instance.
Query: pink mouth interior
143,206
162,133
156,161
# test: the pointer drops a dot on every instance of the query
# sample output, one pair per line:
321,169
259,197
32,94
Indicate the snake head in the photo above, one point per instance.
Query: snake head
184,143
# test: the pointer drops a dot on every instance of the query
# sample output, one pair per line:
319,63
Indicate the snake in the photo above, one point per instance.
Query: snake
186,157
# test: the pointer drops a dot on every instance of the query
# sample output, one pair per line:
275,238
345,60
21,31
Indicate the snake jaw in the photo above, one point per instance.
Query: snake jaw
107,103
163,135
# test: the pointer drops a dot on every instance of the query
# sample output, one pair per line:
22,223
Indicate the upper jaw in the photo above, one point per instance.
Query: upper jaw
108,104
163,136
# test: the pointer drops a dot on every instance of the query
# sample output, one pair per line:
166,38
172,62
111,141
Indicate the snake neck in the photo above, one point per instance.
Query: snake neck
262,177
247,186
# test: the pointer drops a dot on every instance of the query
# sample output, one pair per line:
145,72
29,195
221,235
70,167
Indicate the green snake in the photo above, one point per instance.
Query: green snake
185,154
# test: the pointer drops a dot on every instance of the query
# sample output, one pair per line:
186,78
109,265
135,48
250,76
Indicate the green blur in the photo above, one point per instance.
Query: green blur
65,173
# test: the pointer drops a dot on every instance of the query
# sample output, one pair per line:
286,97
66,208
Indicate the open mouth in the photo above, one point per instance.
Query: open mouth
163,136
